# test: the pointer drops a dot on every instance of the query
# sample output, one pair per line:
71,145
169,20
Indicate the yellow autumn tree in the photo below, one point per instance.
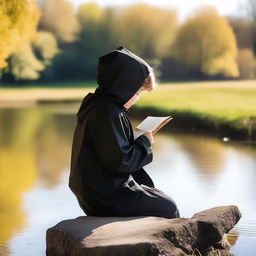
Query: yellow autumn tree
25,65
19,20
90,17
90,12
207,43
34,57
59,18
149,31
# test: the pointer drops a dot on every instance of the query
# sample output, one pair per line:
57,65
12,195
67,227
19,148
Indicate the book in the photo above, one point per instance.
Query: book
151,124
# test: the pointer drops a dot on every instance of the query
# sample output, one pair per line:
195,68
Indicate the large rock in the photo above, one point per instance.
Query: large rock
140,236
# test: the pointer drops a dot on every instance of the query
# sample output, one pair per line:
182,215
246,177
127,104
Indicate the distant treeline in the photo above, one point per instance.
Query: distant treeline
50,41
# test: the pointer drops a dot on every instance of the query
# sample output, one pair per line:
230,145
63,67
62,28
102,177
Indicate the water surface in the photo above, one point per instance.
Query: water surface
35,144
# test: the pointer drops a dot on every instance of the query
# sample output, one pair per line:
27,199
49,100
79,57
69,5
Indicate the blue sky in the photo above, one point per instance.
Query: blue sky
183,7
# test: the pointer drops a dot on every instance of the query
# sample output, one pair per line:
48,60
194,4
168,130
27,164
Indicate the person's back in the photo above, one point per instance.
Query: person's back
107,174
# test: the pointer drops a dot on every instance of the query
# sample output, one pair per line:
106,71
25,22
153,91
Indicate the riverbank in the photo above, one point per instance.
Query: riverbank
226,108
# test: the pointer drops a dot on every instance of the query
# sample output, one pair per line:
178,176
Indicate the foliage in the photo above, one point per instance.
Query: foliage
89,13
207,43
58,17
242,31
46,46
246,63
26,65
79,60
19,19
149,31
250,8
154,26
204,46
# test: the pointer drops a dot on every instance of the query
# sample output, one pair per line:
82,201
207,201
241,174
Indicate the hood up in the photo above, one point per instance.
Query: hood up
120,75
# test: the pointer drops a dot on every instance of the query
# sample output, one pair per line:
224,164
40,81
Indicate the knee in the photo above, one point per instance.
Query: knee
177,213
171,210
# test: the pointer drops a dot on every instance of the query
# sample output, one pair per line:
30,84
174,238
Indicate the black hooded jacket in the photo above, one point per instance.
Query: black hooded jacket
104,152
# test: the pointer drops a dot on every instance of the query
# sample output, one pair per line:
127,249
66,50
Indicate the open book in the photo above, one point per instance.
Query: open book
151,123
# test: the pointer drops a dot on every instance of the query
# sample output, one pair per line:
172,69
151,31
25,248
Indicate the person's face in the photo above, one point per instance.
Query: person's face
134,98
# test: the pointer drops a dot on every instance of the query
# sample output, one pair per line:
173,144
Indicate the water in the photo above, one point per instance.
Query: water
35,143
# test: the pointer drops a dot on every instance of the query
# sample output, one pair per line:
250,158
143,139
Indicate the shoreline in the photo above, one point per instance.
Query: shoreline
192,123
202,120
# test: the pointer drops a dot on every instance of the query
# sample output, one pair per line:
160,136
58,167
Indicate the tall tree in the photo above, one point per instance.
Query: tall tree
97,37
242,30
33,57
207,43
250,8
246,63
19,20
59,18
245,57
147,30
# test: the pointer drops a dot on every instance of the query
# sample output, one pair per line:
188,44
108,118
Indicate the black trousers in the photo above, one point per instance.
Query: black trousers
134,199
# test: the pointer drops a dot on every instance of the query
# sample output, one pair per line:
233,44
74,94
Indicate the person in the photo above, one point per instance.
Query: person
107,174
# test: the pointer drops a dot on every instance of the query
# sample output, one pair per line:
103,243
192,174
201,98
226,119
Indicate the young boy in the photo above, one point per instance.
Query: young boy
107,174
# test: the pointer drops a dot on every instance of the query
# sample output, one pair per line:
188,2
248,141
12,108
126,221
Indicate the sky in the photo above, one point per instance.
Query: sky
183,7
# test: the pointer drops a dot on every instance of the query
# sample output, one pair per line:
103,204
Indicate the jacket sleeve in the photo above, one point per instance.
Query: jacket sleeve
116,153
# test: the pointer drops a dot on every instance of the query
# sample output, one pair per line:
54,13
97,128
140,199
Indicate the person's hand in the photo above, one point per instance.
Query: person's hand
149,135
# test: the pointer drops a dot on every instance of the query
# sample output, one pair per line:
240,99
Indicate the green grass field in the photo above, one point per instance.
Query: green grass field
221,100
225,107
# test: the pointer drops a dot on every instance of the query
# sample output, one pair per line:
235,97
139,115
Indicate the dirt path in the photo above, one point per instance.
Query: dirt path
31,96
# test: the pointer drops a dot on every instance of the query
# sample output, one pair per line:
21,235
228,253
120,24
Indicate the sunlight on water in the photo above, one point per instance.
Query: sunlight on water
35,146
200,173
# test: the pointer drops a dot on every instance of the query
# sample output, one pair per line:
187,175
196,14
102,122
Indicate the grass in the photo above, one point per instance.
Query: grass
222,101
227,108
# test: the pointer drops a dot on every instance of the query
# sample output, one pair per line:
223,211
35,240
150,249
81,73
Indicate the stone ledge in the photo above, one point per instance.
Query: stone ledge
140,236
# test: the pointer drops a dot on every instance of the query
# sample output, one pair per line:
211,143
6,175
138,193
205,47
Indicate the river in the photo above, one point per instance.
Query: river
35,142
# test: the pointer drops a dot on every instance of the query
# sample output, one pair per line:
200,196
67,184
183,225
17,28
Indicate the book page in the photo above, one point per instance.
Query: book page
151,123
137,133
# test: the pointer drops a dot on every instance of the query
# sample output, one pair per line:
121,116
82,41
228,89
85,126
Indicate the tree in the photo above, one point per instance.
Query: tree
149,31
245,58
89,13
33,57
97,37
24,64
250,8
45,47
19,20
59,18
246,63
242,31
207,43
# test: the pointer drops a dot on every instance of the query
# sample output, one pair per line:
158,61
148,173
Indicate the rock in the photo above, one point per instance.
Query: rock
140,236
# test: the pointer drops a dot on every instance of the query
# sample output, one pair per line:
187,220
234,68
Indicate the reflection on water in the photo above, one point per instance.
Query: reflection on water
215,174
35,143
206,156
34,147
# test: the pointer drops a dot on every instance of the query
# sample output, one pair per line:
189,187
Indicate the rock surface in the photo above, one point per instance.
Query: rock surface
140,236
